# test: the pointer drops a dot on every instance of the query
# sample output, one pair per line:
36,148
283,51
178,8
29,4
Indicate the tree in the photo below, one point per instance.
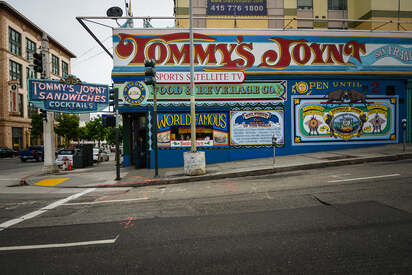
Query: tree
111,135
83,134
95,129
36,126
68,127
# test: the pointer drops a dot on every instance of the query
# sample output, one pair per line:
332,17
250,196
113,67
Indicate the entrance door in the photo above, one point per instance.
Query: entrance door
138,140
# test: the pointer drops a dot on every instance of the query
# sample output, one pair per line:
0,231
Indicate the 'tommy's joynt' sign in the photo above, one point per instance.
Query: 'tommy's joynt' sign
260,52
52,95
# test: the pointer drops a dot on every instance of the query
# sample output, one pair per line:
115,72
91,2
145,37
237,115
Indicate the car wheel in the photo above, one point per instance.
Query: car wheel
23,160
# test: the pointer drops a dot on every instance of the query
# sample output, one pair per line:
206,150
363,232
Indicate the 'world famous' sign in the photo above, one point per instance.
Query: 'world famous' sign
52,95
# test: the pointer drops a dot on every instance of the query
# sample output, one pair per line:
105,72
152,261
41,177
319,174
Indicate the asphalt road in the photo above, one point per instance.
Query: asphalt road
347,220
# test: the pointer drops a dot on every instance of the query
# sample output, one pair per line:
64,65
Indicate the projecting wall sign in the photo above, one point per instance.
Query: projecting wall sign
58,96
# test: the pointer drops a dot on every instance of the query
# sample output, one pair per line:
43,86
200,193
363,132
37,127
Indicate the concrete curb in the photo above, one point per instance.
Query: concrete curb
256,172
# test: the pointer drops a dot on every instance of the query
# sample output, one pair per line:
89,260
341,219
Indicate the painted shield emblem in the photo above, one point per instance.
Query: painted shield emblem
346,124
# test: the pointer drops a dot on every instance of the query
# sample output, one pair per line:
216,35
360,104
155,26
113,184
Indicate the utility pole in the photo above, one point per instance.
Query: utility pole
194,161
399,14
49,165
192,83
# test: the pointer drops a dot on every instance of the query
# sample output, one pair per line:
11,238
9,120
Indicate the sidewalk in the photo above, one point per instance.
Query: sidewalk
103,174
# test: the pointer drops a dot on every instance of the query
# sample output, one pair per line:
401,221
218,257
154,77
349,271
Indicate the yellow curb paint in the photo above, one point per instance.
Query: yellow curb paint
50,182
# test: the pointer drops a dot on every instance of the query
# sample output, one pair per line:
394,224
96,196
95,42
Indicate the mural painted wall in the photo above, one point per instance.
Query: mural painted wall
345,111
318,120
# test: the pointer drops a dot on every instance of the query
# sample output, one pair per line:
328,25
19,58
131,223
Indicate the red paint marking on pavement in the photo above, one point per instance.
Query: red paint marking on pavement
129,222
145,195
228,185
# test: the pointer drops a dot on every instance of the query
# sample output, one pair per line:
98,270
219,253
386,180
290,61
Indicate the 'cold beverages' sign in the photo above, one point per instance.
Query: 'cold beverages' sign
52,95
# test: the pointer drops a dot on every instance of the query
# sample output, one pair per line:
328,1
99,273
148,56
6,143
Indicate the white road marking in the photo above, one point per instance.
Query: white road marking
108,201
58,245
339,175
366,178
44,209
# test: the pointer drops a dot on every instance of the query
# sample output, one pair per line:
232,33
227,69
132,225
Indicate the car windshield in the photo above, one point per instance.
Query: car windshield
66,152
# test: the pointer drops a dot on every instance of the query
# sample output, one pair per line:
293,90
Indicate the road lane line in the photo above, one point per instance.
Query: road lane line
108,201
58,245
366,178
43,210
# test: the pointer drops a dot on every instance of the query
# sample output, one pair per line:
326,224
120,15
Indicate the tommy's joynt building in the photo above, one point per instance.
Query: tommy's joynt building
312,90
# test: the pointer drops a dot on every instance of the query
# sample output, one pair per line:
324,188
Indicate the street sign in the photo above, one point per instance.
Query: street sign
57,96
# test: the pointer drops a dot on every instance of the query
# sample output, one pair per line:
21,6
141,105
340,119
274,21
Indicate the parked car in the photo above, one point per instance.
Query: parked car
104,156
57,152
6,152
100,155
35,152
96,154
65,154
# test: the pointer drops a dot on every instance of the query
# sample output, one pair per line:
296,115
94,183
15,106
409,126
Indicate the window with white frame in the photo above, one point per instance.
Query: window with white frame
30,49
65,69
337,4
15,72
55,65
305,4
14,41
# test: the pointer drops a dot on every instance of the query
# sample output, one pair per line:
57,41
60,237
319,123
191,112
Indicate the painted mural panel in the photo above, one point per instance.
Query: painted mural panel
174,129
256,127
336,119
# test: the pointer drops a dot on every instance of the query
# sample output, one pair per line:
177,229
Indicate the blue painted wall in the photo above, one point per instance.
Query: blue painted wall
376,86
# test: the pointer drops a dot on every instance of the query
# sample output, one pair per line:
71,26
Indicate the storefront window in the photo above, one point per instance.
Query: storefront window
175,130
17,138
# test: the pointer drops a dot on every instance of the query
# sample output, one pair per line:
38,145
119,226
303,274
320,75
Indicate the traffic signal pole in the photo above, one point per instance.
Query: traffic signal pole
117,146
49,165
150,79
114,101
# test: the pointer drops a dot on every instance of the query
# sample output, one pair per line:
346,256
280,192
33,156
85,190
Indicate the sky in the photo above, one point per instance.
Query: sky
58,19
